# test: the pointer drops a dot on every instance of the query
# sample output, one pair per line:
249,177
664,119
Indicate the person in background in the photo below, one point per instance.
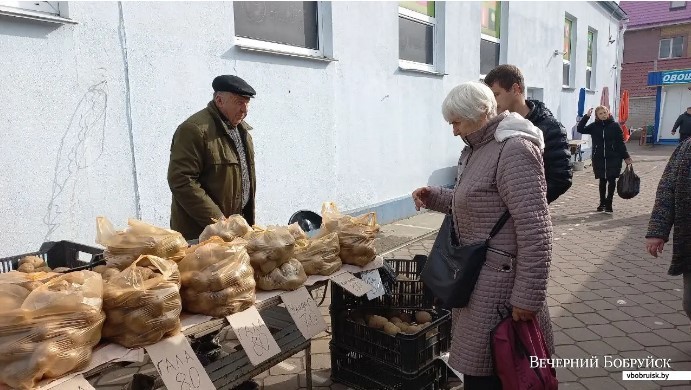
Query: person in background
609,150
508,86
683,123
502,170
211,170
673,208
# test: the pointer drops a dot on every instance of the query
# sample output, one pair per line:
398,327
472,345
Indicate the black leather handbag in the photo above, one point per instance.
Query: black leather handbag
451,271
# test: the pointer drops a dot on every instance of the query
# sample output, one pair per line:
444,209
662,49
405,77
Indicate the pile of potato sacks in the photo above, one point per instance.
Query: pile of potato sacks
281,257
397,322
49,324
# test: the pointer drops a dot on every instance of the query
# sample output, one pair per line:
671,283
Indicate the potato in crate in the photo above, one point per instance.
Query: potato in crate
403,338
58,256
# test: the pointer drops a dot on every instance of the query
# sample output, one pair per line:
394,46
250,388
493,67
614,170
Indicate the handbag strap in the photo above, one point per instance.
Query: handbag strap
504,217
500,224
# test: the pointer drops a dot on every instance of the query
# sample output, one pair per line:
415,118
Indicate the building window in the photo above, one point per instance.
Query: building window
293,27
47,7
671,47
417,30
591,60
677,5
490,36
43,11
569,26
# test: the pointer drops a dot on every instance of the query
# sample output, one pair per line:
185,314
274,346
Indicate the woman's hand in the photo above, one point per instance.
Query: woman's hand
421,197
519,314
628,161
590,112
654,245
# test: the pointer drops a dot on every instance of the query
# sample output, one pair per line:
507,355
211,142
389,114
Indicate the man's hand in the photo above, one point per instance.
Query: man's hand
628,161
654,245
420,197
590,112
674,132
519,314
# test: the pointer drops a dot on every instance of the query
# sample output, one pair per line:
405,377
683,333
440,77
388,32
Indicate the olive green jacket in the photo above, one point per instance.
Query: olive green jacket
204,173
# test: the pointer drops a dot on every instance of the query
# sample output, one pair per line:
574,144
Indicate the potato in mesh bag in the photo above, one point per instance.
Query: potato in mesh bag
319,256
217,278
50,331
142,303
289,276
227,228
140,238
269,248
355,234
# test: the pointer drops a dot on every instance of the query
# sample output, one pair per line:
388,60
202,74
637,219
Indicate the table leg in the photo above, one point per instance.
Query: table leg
308,365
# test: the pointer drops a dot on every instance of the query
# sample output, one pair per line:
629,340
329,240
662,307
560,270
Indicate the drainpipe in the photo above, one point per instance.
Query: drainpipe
618,65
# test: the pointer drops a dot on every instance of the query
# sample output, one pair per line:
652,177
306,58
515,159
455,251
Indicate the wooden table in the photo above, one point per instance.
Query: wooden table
233,367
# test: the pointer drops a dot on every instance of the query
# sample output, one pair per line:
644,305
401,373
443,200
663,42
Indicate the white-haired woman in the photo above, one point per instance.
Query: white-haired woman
500,169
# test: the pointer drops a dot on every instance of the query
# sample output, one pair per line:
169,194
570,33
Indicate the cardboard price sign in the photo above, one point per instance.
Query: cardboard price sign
304,311
256,339
373,279
178,366
352,284
76,383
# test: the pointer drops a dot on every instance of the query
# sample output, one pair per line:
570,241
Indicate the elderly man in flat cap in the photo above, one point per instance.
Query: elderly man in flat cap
211,169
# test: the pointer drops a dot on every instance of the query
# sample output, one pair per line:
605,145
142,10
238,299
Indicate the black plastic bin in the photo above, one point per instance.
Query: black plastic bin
361,372
404,352
60,254
404,293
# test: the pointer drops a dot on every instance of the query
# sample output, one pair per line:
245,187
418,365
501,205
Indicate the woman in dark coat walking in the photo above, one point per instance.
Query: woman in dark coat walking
608,152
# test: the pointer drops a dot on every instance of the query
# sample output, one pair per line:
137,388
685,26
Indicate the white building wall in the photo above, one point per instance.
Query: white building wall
357,131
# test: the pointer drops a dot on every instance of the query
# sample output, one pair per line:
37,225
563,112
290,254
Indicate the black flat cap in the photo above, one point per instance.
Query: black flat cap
234,84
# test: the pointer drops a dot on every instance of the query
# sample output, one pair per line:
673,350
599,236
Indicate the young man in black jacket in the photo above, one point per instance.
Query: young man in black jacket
683,123
508,85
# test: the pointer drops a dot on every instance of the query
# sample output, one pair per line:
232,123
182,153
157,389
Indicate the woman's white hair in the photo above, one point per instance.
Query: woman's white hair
471,101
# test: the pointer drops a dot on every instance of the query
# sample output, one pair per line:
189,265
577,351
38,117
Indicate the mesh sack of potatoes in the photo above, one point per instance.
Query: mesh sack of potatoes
288,276
50,331
319,256
142,303
227,228
355,234
269,247
125,246
217,278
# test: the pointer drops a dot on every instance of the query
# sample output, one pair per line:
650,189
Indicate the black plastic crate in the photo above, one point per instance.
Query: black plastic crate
404,293
362,372
60,254
404,352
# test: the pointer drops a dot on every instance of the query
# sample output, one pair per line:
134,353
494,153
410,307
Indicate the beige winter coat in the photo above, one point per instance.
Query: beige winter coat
477,201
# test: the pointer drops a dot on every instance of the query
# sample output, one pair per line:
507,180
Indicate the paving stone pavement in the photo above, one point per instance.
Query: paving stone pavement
606,295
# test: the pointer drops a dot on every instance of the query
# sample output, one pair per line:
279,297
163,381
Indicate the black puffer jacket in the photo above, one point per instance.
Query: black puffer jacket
556,157
609,149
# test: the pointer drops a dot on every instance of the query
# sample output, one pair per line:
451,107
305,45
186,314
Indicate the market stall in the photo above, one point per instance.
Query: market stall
139,305
672,98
